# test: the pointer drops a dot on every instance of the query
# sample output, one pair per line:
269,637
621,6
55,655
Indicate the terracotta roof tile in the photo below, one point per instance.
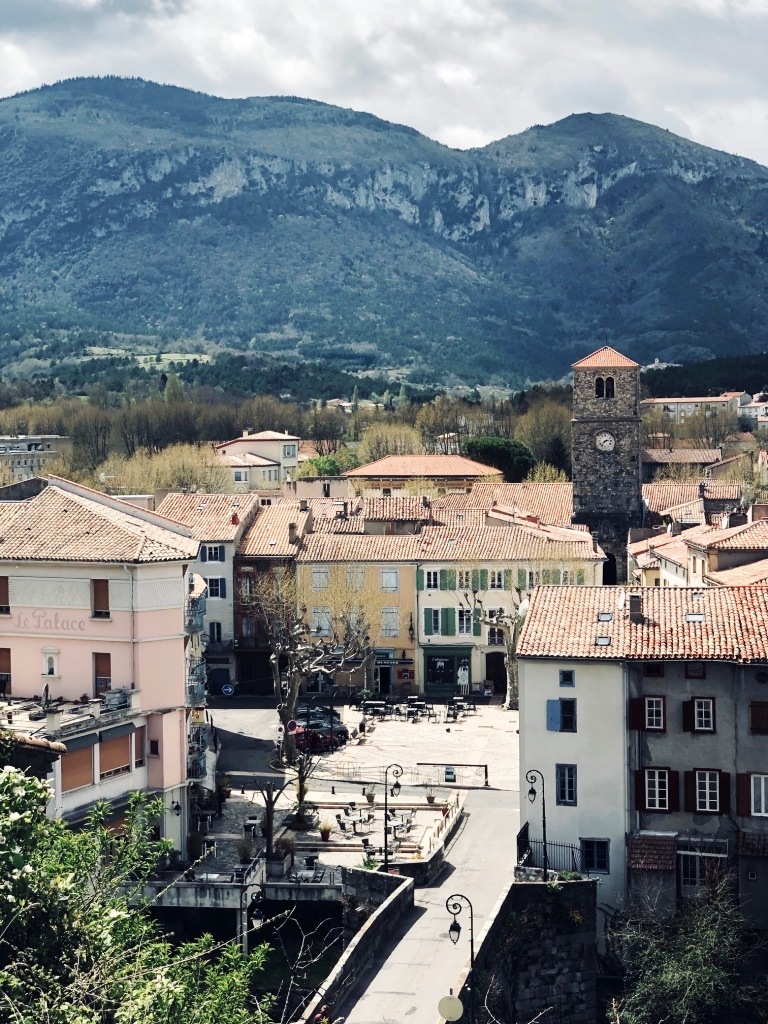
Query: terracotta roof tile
209,516
427,467
754,574
747,537
552,503
562,622
652,851
71,523
663,494
245,460
681,456
604,357
460,500
409,509
753,844
262,435
267,536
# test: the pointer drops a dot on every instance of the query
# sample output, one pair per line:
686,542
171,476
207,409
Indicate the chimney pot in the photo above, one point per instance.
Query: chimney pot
292,533
636,608
303,505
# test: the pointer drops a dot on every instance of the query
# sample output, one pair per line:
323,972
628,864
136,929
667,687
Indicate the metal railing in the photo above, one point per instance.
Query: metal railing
196,765
560,856
220,647
194,693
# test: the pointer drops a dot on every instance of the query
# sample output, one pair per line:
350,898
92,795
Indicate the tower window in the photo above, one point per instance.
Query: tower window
609,390
599,387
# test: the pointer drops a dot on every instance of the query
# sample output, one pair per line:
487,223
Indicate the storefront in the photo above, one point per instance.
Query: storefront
395,676
448,670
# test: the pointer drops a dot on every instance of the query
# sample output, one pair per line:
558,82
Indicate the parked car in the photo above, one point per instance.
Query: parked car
313,741
322,724
316,709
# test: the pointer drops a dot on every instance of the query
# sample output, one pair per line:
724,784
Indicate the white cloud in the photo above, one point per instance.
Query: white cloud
464,72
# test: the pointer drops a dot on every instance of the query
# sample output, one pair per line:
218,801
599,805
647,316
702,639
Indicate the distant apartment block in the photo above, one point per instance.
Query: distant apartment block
28,455
739,403
262,460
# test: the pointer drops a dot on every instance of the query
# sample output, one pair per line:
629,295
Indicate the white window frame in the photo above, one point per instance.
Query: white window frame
390,622
52,653
321,621
214,632
566,780
246,588
495,636
496,579
654,714
464,579
703,714
758,792
238,476
289,451
214,584
464,622
390,581
213,551
321,579
435,622
657,789
432,579
566,577
533,578
707,791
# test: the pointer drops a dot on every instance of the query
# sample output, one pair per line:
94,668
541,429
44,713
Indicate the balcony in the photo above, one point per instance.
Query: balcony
196,762
194,693
220,647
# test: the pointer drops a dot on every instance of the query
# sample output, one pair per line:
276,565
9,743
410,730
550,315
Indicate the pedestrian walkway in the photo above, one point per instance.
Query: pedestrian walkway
407,982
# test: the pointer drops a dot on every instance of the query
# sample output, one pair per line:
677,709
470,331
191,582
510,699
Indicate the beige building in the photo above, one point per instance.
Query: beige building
262,460
25,456
446,473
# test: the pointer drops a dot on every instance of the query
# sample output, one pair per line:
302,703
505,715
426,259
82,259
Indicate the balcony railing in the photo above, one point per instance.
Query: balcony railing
196,764
196,671
220,647
195,693
560,856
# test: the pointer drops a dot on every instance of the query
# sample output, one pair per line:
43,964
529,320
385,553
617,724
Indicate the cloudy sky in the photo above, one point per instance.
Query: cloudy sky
464,72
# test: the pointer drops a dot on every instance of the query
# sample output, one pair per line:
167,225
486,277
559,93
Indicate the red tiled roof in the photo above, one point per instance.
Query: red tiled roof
562,622
663,494
209,516
681,456
72,523
754,574
605,357
262,435
409,509
552,503
652,851
753,844
747,537
267,536
427,467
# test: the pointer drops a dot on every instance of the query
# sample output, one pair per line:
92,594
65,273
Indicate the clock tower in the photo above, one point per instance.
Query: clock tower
606,452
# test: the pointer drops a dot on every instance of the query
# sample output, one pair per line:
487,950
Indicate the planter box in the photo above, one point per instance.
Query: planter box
279,868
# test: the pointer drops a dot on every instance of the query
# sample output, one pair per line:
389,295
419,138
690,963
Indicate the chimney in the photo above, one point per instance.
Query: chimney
52,719
246,432
293,535
702,489
235,520
636,608
303,505
594,541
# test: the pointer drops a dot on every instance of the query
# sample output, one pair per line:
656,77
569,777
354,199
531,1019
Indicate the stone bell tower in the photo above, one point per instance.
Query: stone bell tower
606,455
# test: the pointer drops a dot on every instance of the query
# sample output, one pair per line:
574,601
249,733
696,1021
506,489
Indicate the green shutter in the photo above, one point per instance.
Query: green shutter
580,576
522,579
483,579
448,621
546,576
508,579
419,579
450,579
427,622
556,576
475,579
477,626
443,580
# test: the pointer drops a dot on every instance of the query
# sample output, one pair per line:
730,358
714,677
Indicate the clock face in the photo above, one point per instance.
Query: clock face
605,441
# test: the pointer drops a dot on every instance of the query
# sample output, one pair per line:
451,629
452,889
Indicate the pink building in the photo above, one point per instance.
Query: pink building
100,624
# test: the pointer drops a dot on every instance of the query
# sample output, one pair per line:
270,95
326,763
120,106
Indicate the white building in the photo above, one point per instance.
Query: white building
262,460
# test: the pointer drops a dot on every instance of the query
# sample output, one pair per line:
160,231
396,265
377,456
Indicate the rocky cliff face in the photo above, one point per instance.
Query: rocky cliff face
290,226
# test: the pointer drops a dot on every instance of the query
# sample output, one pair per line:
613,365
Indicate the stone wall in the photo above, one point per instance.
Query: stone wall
536,958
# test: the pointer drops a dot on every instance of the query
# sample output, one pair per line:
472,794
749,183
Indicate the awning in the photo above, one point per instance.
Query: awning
80,742
118,730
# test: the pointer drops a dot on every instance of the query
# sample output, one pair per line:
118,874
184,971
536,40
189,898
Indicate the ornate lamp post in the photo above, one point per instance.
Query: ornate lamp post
454,905
397,771
530,777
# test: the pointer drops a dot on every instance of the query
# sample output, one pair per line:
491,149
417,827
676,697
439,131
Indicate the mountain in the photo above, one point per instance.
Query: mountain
150,215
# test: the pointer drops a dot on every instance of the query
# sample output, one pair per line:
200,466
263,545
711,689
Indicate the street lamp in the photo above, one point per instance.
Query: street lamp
454,906
397,771
530,777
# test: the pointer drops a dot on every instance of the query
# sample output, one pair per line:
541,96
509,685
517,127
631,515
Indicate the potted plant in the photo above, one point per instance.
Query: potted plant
225,786
245,850
370,794
326,827
430,793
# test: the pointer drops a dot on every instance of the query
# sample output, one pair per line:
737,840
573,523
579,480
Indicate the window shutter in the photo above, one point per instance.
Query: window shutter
714,716
475,579
450,579
448,621
743,794
689,789
443,580
674,791
553,716
725,792
546,577
483,579
5,660
580,577
688,716
222,587
522,579
637,713
477,626
221,553
556,576
419,579
427,622
203,552
640,790
508,584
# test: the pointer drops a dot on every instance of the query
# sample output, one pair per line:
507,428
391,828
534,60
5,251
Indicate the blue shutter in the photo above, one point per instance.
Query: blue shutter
222,587
553,716
203,553
222,556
